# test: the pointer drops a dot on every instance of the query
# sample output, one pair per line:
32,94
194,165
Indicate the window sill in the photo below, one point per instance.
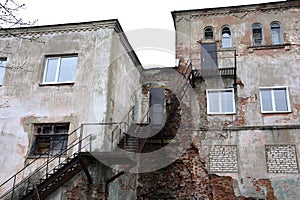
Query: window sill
57,84
221,113
286,46
275,112
227,49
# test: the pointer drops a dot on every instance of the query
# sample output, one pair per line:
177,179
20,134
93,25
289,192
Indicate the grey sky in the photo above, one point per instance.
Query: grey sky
133,15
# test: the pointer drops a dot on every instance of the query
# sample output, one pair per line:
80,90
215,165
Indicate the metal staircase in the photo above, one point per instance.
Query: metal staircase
60,168
59,176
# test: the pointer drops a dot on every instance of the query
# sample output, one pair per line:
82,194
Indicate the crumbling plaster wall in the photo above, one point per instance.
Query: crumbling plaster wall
256,67
124,83
25,100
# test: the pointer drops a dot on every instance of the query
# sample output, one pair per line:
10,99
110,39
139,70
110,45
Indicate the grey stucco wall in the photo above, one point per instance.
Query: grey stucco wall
25,100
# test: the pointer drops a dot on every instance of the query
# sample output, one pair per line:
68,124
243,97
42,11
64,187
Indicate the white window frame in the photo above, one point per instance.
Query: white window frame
220,104
56,81
2,68
278,33
273,99
229,37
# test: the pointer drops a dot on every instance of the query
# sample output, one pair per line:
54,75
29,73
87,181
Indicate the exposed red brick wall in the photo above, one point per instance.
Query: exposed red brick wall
184,179
267,184
223,188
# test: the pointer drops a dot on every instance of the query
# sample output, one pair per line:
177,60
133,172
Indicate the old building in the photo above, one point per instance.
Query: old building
81,119
245,62
61,84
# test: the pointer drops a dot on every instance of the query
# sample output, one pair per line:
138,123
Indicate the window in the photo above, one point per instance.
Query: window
274,100
226,38
220,101
208,33
276,33
2,69
50,138
257,34
60,69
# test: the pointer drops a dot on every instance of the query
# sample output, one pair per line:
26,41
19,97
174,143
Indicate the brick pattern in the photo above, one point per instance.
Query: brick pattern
184,179
281,159
223,158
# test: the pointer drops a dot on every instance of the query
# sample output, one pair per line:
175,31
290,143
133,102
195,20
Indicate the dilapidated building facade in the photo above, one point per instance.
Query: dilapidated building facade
88,122
245,61
61,84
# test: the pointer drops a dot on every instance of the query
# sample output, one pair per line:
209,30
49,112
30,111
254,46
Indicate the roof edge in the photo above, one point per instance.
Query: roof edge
91,25
239,8
74,27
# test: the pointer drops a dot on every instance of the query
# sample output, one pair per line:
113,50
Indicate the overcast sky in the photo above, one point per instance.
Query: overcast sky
140,19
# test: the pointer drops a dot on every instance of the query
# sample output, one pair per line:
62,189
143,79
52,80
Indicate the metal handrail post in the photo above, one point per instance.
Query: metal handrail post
12,194
80,138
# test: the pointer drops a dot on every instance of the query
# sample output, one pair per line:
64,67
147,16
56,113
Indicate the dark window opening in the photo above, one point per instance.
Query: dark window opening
257,34
50,139
209,33
157,102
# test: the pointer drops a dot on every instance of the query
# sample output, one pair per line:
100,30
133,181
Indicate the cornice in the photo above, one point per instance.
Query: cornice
232,10
38,31
61,28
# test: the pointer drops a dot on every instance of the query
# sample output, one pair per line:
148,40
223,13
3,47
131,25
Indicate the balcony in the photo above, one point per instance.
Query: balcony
221,63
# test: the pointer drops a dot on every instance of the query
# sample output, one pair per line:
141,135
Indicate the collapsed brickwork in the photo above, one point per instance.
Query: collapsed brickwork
245,152
250,153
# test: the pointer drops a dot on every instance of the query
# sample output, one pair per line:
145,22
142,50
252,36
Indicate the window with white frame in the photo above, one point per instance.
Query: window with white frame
276,33
226,37
2,69
274,100
60,69
220,101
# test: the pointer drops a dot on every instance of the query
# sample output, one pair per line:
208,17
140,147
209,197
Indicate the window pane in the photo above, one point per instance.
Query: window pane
257,34
59,144
51,70
266,99
226,30
226,40
281,103
2,70
213,101
227,101
208,34
52,138
276,36
67,71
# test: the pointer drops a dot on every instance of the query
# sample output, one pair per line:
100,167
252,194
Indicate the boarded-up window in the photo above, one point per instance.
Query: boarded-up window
50,138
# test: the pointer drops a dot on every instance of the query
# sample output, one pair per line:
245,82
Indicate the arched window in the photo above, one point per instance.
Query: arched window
208,33
226,38
257,34
276,33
